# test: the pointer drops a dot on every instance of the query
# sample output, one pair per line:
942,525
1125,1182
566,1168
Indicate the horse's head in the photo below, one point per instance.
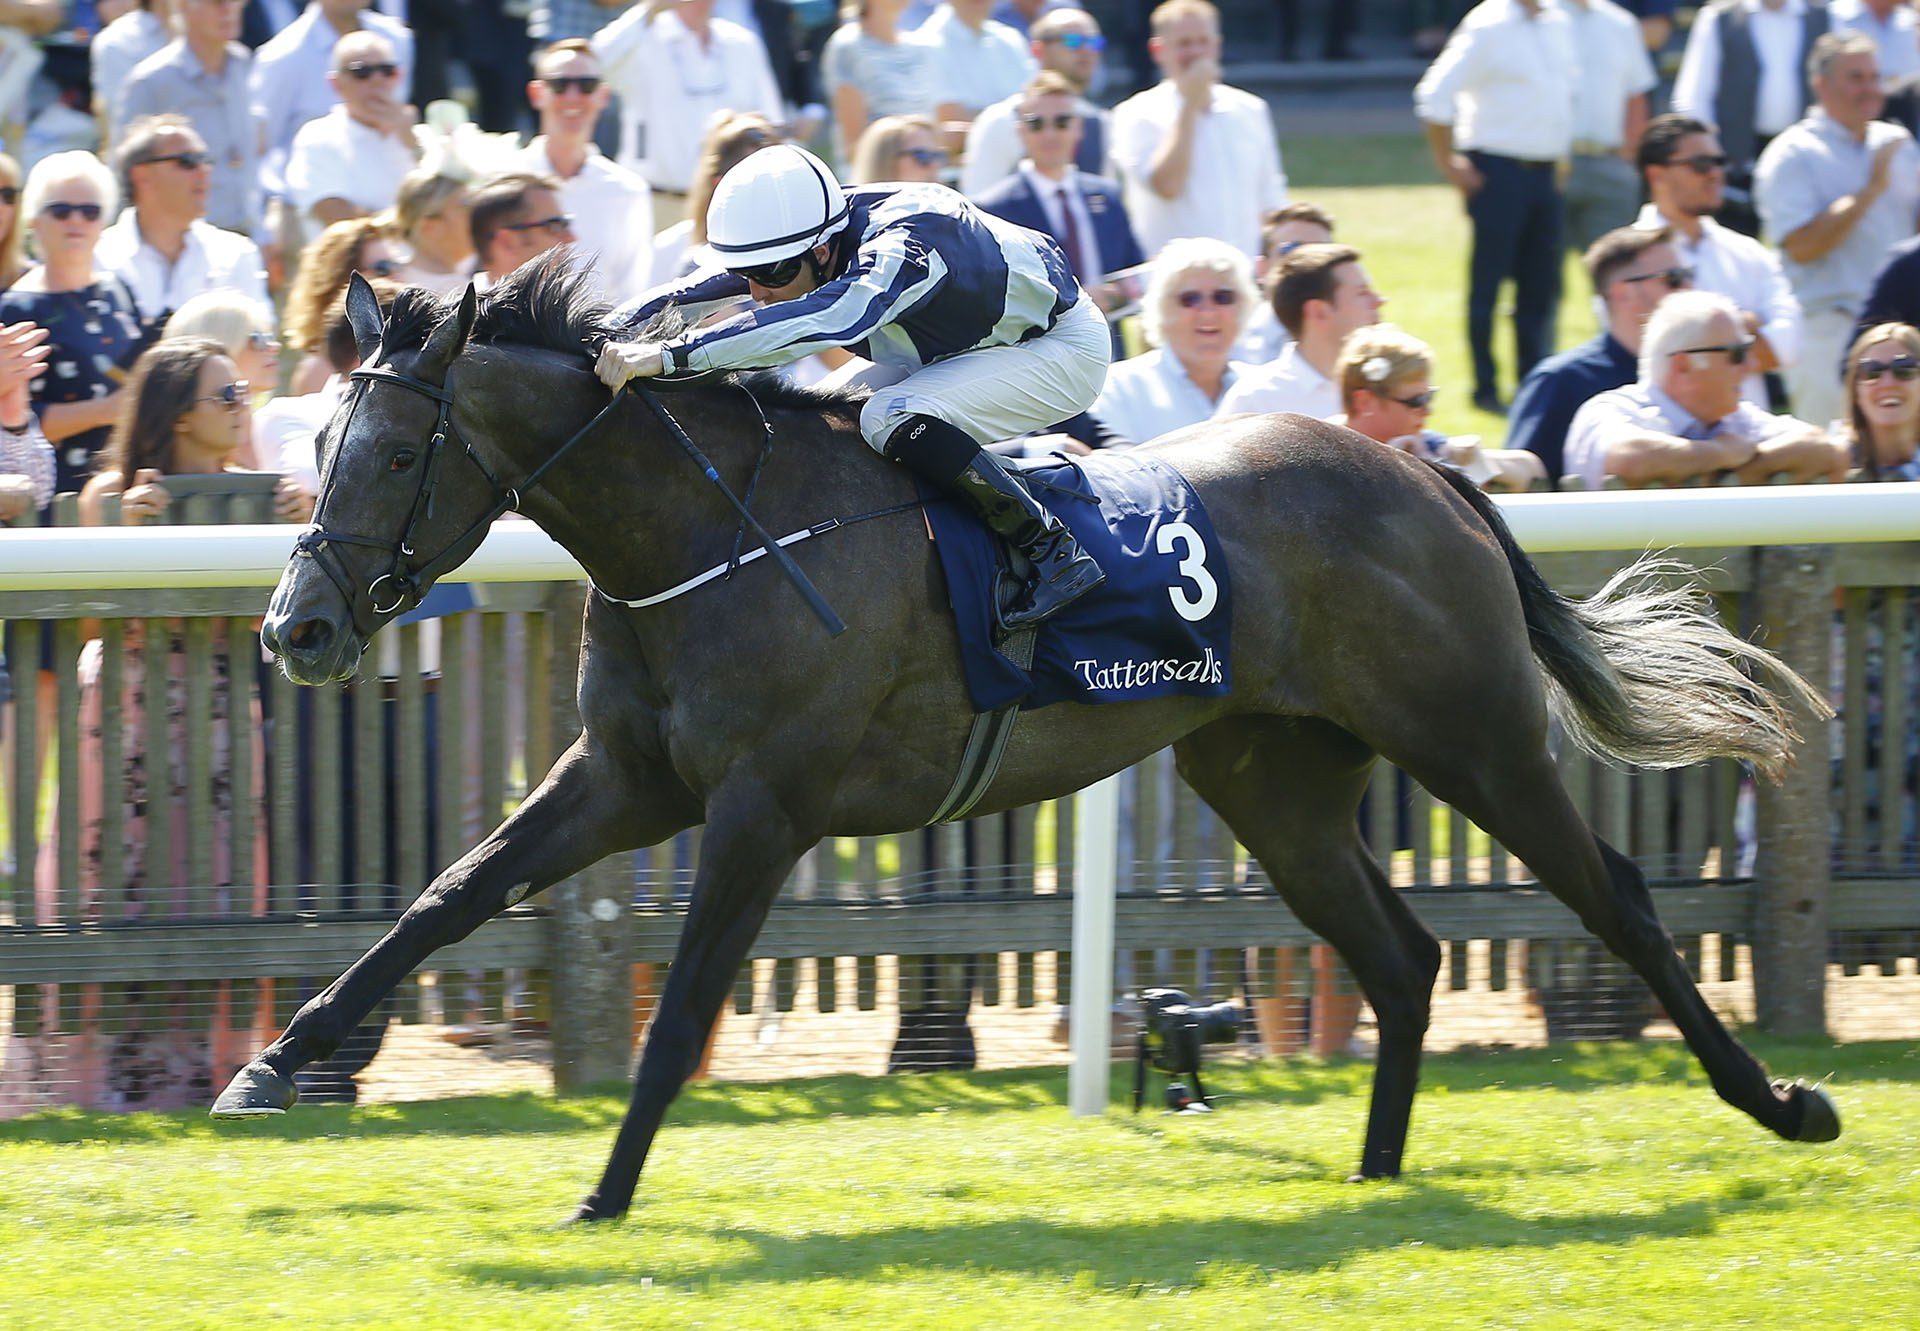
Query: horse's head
403,499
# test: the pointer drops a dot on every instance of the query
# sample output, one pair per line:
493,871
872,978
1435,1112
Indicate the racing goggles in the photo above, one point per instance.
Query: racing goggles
779,273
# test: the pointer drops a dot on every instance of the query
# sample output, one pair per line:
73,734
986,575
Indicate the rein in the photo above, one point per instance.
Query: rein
407,578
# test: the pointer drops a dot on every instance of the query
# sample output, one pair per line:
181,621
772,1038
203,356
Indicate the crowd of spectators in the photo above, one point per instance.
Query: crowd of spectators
175,258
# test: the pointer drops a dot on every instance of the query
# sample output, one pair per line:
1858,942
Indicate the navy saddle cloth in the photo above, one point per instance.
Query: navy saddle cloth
1158,625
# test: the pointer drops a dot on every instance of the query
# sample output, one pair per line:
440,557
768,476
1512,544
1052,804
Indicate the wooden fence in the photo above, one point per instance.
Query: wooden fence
363,792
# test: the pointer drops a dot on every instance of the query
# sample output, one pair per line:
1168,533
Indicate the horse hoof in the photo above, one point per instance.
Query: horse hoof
1819,1116
587,1214
256,1091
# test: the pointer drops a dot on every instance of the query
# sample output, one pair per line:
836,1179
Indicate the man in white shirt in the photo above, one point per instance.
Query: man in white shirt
291,83
162,247
1284,231
612,207
1068,43
980,61
1197,157
1498,106
1837,191
1609,111
1686,172
515,218
674,69
350,162
1744,73
1320,295
1684,418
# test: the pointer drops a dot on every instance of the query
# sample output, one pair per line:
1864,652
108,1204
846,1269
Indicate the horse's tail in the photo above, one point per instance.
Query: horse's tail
1644,673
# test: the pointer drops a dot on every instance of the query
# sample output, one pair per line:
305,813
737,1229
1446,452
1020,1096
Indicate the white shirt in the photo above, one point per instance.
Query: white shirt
1745,272
1622,413
115,51
1050,193
1505,81
337,157
1776,42
1898,38
671,85
1288,383
977,66
284,430
1151,395
210,260
290,85
1235,178
612,211
1614,67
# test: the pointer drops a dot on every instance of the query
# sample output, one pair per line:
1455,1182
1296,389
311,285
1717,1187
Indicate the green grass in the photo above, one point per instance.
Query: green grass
1412,230
1574,1187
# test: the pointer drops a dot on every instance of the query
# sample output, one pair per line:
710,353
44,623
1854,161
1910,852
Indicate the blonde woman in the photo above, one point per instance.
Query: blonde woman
430,216
1196,303
1882,428
899,148
731,139
13,235
1385,380
357,245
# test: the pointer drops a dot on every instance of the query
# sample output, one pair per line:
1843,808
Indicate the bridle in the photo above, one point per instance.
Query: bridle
398,589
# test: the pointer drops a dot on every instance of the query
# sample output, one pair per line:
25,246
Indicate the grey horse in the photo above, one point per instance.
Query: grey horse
1382,609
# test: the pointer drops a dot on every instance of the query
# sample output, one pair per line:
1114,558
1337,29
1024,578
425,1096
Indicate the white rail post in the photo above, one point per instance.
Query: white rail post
1096,836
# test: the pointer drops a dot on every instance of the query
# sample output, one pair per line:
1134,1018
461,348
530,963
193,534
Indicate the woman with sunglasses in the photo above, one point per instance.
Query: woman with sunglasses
93,328
13,234
357,245
975,326
1195,305
1882,429
899,148
1385,379
184,413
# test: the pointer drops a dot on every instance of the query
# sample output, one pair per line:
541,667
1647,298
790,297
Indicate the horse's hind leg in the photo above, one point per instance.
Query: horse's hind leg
1290,789
583,811
1520,801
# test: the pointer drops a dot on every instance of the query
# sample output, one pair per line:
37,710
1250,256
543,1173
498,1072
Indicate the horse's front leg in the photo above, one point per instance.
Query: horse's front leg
751,845
587,808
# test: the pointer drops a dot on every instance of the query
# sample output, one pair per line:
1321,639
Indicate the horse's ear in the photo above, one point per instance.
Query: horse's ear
448,339
363,313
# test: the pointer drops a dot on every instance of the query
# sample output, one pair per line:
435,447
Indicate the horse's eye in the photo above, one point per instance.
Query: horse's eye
403,459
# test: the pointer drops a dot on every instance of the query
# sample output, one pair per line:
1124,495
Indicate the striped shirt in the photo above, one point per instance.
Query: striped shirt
931,276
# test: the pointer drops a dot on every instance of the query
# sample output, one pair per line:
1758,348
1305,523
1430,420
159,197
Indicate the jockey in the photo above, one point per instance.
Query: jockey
976,327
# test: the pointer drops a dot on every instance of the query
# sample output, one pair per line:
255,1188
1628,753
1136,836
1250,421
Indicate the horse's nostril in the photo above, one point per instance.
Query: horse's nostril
309,635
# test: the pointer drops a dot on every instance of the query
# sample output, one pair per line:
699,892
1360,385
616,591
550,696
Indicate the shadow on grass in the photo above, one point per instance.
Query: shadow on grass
1576,1068
1160,1252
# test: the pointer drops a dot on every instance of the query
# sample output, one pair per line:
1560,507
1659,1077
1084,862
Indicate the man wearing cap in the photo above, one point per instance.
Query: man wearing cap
976,327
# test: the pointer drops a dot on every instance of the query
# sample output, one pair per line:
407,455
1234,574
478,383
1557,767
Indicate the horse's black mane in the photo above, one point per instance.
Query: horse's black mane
550,304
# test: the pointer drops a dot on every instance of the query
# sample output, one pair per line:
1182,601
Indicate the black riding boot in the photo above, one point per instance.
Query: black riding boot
1062,571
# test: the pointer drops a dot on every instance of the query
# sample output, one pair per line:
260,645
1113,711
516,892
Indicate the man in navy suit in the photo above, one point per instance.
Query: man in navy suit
1048,194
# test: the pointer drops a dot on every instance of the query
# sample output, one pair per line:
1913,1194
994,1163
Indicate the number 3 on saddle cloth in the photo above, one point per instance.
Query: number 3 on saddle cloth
1160,623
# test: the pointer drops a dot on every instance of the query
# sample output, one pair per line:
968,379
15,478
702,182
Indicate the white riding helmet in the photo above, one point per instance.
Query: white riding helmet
778,203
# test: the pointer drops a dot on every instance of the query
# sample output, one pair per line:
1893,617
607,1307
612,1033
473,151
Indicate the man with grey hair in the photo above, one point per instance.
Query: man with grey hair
1837,191
1684,417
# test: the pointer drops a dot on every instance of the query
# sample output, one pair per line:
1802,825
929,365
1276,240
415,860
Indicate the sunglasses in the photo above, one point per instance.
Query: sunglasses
381,268
370,69
775,275
1065,120
1417,401
1675,278
1700,163
1078,41
9,194
258,341
1736,352
583,84
1903,368
60,212
232,396
187,161
1224,297
926,156
553,226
